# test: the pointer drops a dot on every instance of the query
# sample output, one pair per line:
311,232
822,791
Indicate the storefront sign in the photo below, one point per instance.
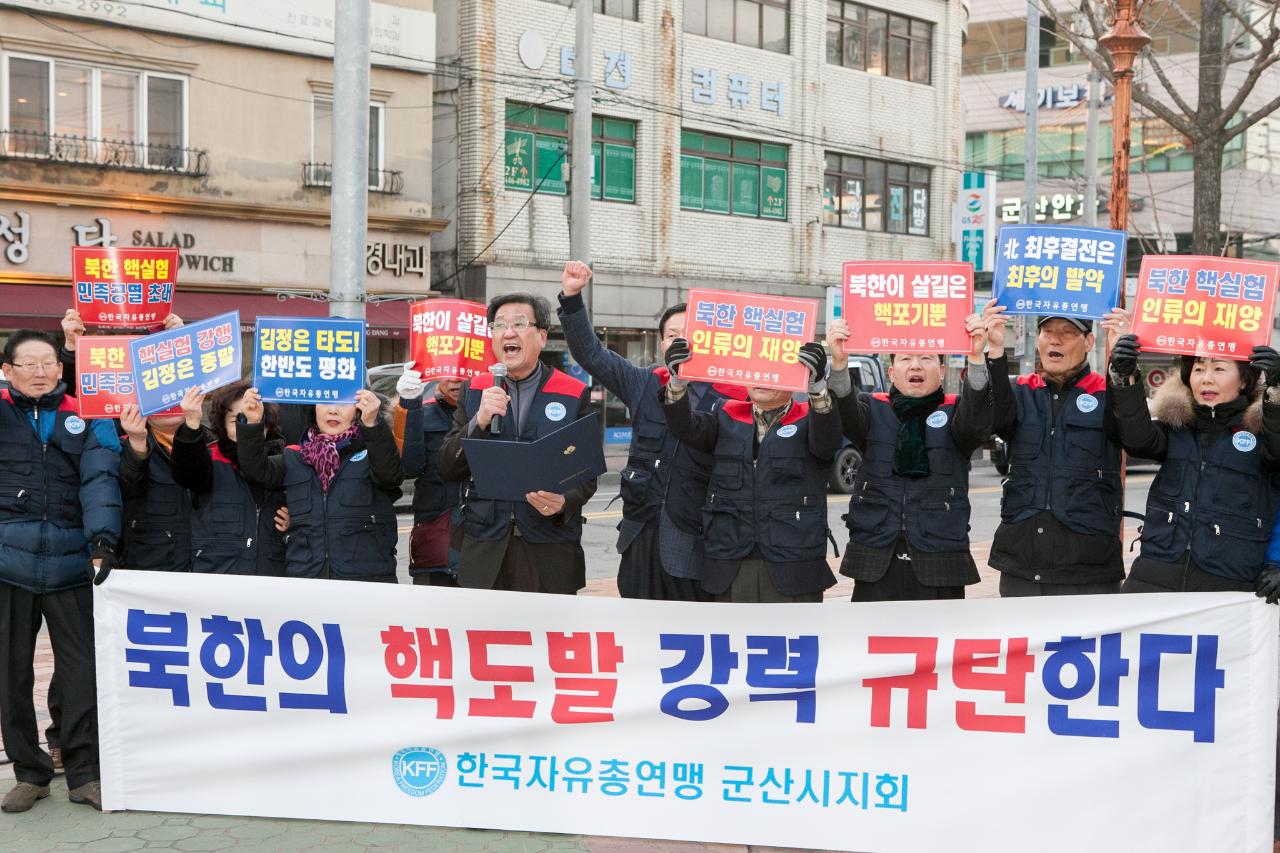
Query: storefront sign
975,224
1063,97
907,306
1060,270
167,364
738,90
748,339
318,360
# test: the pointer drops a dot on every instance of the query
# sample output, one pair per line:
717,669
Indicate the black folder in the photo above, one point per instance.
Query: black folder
508,470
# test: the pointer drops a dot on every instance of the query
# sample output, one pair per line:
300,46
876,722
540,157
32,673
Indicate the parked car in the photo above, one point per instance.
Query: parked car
868,375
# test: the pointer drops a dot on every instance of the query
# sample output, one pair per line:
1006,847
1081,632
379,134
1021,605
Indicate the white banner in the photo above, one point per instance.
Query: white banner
1104,723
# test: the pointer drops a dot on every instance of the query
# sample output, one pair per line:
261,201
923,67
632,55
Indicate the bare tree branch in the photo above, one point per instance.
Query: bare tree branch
1243,21
1266,58
1150,56
1252,119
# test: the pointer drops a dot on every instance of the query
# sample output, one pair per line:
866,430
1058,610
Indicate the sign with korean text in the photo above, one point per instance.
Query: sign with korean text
449,339
166,365
308,360
129,288
748,339
1204,306
907,306
104,376
790,725
1059,270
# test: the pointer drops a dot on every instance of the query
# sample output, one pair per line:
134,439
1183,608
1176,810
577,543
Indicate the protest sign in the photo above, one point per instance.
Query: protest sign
449,339
907,306
748,339
104,375
1204,306
1059,270
309,360
794,725
167,364
131,288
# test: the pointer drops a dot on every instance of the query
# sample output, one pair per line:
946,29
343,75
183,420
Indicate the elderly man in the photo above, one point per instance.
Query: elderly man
534,545
908,516
60,517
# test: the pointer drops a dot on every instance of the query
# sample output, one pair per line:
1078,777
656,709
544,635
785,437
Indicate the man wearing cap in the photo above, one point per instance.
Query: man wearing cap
1059,530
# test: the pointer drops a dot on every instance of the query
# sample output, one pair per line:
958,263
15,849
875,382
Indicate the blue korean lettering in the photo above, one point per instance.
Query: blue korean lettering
168,632
1207,282
1254,287
891,792
89,384
1178,278
334,699
1157,279
536,779
723,661
853,793
688,779
651,771
785,663
753,317
576,770
773,321
84,291
725,314
224,633
705,313
614,777
1229,284
1208,679
795,323
810,793
781,784
1074,652
134,289
469,764
506,768
739,777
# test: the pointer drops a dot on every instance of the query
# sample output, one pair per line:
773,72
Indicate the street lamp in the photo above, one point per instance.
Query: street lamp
1124,40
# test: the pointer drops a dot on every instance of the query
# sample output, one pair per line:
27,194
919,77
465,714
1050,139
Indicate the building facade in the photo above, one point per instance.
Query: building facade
204,125
750,145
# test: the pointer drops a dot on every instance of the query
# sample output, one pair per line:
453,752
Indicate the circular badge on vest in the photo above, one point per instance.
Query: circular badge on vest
787,431
357,457
1086,403
74,425
1244,441
555,411
937,420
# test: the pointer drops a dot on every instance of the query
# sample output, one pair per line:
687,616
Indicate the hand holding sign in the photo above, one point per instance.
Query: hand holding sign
252,408
193,407
995,323
837,334
72,329
135,427
370,407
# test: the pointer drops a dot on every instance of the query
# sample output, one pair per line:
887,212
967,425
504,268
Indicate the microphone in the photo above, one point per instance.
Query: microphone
499,372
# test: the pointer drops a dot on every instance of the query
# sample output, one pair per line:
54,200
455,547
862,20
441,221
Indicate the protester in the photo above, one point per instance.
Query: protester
908,516
340,485
61,522
432,560
665,482
236,528
157,511
533,545
1059,530
765,518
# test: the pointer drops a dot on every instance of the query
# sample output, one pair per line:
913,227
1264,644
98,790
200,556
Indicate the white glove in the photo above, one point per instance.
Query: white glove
409,386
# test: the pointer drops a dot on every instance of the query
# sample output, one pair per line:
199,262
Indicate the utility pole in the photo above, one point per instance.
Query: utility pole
1029,187
1091,189
580,150
349,199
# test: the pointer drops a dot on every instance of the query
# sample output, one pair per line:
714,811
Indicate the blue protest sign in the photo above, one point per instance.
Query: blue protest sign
168,364
308,360
1059,270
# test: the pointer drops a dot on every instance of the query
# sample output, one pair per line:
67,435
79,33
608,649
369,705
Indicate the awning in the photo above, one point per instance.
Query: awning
28,306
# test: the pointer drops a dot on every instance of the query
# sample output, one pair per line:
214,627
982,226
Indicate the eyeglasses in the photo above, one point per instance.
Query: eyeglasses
31,366
519,324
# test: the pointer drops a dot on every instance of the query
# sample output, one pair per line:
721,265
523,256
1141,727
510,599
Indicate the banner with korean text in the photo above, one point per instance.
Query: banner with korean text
1100,723
1059,270
166,365
308,360
129,288
1204,306
907,306
449,339
748,339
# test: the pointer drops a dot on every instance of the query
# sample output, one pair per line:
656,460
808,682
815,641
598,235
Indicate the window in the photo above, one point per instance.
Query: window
537,147
613,8
105,116
741,177
320,169
755,23
878,42
872,195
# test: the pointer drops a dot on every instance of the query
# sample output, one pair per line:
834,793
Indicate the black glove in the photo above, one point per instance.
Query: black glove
1266,361
1269,582
104,553
1124,356
814,357
677,354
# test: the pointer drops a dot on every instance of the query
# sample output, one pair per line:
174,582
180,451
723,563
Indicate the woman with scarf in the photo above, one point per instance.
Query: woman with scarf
236,528
1216,435
341,484
908,516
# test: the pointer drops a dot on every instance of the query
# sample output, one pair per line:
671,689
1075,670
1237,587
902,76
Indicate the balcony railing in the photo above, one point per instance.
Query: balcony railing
389,181
106,153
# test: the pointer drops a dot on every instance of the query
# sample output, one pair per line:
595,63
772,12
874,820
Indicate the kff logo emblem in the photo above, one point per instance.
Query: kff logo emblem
419,771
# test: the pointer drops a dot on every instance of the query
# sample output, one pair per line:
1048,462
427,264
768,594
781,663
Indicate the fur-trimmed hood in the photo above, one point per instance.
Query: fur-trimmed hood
1173,406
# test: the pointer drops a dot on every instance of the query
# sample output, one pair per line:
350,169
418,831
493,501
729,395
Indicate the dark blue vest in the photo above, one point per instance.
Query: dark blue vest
1067,466
933,511
775,499
433,496
487,520
352,528
230,534
1219,506
157,525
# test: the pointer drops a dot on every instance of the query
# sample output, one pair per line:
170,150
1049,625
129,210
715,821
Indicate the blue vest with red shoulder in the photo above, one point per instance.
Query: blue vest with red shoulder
157,524
433,495
773,498
230,533
932,511
554,406
1068,465
351,528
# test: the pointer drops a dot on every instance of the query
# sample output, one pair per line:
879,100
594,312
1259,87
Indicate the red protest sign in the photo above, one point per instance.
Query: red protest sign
449,339
104,376
1204,306
748,339
907,306
129,288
